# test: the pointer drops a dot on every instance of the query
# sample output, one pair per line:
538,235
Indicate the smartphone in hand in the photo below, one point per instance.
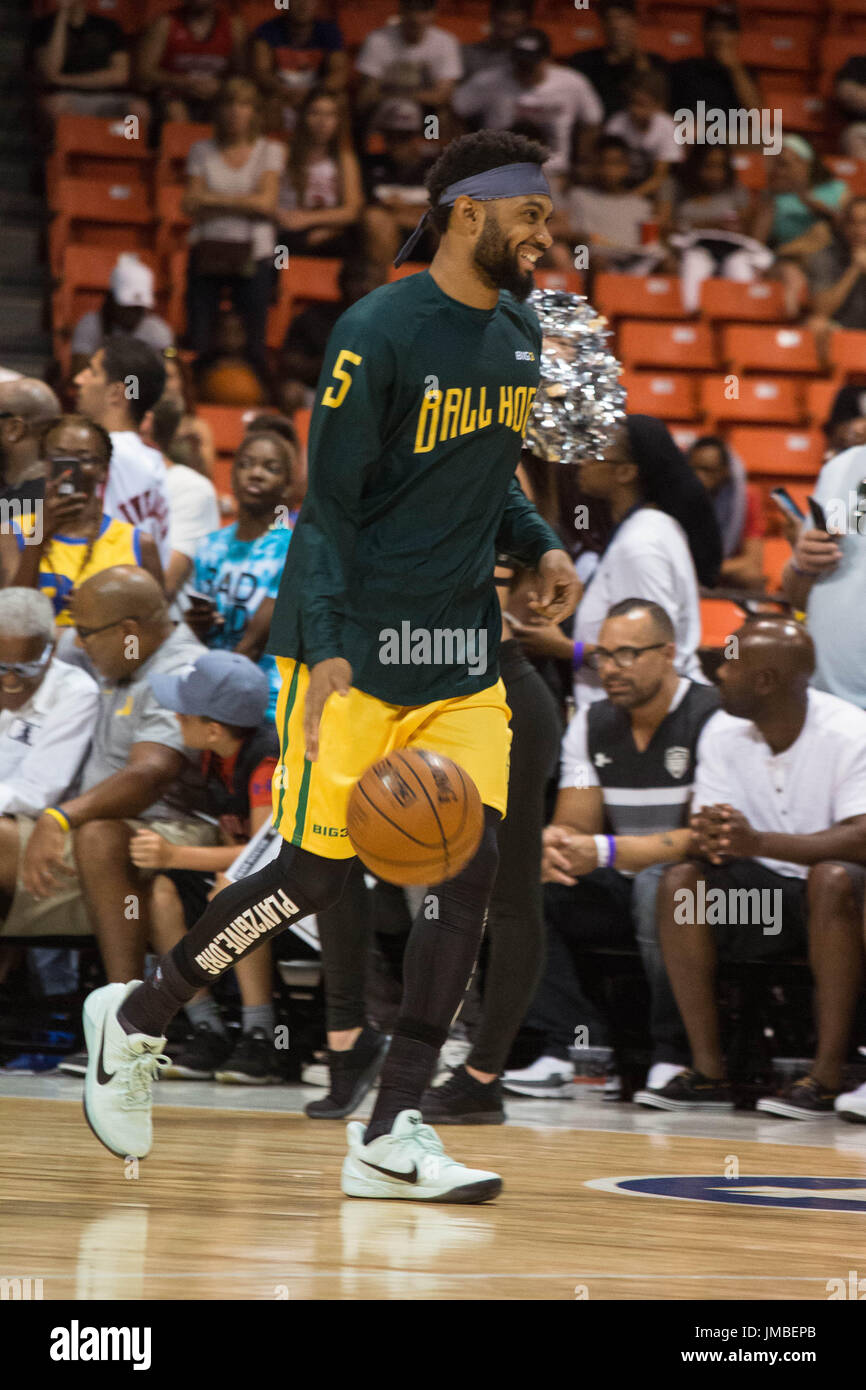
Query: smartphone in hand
819,520
786,504
74,481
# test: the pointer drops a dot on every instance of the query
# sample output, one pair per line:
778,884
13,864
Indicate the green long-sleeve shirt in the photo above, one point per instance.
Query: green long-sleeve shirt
415,437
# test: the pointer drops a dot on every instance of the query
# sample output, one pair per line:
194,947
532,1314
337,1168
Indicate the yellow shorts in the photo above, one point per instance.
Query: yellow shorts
310,799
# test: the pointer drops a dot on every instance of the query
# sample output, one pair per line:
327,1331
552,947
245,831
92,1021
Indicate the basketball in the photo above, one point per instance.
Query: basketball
415,817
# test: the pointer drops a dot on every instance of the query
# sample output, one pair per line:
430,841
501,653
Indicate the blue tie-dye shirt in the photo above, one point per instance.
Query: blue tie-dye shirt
238,575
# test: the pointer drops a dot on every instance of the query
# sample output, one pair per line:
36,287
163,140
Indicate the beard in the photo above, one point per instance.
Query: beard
498,264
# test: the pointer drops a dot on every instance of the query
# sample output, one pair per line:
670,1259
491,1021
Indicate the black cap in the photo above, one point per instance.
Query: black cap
848,404
722,14
530,46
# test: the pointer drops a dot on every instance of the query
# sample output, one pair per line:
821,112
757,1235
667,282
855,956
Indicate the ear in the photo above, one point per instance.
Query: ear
626,474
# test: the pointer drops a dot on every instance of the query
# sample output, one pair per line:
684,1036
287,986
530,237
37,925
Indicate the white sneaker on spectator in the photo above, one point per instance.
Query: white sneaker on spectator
452,1056
549,1078
851,1105
660,1073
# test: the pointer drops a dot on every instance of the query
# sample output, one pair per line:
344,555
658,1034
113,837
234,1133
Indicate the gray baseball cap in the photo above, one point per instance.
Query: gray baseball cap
224,686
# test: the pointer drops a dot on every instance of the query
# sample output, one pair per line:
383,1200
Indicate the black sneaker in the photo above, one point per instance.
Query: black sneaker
352,1075
802,1099
689,1090
462,1100
254,1061
198,1057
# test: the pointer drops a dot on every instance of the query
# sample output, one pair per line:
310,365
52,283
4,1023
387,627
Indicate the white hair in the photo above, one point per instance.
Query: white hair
26,613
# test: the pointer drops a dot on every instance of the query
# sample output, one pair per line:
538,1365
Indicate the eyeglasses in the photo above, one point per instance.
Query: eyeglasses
85,632
27,670
621,657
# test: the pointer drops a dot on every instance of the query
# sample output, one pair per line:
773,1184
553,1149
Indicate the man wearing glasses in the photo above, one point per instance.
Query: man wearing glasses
26,405
69,869
622,813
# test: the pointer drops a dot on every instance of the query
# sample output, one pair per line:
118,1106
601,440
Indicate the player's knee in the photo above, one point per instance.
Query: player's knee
317,881
479,874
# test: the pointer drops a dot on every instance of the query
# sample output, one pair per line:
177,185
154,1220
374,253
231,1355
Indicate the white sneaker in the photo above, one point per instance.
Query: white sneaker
660,1073
451,1058
851,1105
410,1164
548,1077
120,1071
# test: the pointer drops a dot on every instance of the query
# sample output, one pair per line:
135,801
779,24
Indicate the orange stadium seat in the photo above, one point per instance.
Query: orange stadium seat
759,348
176,141
570,280
800,111
773,8
778,453
92,147
580,31
172,222
777,48
719,618
306,278
671,41
357,21
853,171
819,399
848,7
759,400
759,301
468,28
119,215
777,553
682,345
83,282
669,395
751,169
639,296
848,352
685,435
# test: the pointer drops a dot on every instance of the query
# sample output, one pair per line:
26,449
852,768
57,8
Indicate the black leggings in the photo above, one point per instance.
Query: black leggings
515,923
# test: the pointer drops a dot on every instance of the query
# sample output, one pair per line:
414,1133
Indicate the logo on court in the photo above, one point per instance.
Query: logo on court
798,1194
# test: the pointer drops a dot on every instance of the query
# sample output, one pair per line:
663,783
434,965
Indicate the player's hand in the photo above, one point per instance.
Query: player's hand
43,869
147,850
331,677
558,590
542,639
816,552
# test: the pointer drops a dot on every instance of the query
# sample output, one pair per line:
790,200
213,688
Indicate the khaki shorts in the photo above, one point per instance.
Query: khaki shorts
66,913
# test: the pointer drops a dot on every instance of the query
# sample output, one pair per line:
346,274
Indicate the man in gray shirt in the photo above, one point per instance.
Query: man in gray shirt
70,869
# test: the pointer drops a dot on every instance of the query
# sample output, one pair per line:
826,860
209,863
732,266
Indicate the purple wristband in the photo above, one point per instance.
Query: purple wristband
577,658
611,845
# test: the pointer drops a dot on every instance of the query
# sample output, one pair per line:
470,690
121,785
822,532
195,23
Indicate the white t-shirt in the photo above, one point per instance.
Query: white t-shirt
437,56
817,782
193,508
649,557
555,103
205,160
657,141
835,604
136,490
43,744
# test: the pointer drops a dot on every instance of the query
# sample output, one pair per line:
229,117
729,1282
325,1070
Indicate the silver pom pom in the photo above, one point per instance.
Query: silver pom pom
580,401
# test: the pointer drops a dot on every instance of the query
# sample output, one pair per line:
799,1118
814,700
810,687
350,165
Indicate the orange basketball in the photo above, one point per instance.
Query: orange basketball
415,817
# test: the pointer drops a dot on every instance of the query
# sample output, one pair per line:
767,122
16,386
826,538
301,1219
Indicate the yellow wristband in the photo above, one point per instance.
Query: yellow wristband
56,814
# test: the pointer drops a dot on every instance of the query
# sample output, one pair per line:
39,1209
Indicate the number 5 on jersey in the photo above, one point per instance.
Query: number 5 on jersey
336,398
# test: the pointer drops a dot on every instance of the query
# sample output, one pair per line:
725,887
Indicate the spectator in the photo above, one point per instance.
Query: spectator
68,870
194,436
122,383
220,705
780,797
47,708
232,191
237,570
797,212
719,79
849,89
292,53
737,505
648,131
627,768
297,489
607,216
228,374
837,275
394,185
321,196
611,68
710,216
186,55
127,308
508,18
82,61
537,90
307,338
845,426
412,58
665,540
192,501
26,404
72,538
826,577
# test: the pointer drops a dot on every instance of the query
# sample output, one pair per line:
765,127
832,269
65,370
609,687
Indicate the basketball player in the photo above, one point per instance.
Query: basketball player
416,434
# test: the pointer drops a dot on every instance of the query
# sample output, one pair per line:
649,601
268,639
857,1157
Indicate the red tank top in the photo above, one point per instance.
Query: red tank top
185,54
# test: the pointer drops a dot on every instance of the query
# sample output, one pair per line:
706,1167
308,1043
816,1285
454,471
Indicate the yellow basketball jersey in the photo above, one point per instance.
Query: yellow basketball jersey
69,560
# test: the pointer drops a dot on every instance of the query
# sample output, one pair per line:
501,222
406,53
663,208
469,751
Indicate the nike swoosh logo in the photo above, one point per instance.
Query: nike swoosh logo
102,1076
401,1177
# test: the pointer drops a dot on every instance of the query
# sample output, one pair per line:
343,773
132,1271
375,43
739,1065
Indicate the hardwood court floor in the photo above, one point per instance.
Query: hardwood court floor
245,1204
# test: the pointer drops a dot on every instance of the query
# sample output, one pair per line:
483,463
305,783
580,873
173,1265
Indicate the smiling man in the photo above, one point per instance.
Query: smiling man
415,439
